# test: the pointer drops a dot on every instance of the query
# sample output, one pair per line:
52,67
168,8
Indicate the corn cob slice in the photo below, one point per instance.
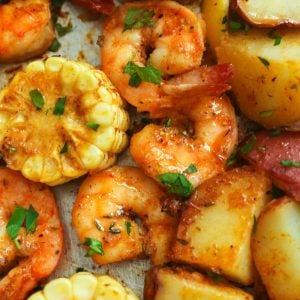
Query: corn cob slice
59,119
84,286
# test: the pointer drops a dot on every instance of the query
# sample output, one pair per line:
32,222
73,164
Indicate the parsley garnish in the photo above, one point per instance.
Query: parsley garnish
12,149
266,113
92,125
113,230
37,99
264,61
232,157
250,145
139,74
63,30
191,169
64,149
275,132
138,18
55,46
59,106
275,37
128,227
177,184
17,219
215,276
57,3
168,123
95,247
290,163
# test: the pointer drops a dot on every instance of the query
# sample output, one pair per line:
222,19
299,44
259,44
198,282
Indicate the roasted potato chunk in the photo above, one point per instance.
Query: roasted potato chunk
276,245
266,75
182,284
215,230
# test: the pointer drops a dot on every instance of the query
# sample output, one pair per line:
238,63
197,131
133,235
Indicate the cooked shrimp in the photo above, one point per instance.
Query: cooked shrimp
171,32
203,134
106,203
25,29
35,254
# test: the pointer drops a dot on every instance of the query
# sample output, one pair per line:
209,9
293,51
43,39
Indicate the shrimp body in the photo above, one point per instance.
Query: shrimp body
203,134
25,29
40,250
106,203
175,38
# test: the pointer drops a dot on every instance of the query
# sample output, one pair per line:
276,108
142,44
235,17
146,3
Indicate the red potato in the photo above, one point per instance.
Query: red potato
271,152
99,6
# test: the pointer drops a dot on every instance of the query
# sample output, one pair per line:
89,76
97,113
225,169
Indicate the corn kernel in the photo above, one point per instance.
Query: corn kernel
108,160
50,171
103,138
68,75
90,155
59,289
33,167
19,119
84,286
35,66
3,118
108,288
54,64
89,99
87,81
102,114
121,120
120,142
105,95
37,296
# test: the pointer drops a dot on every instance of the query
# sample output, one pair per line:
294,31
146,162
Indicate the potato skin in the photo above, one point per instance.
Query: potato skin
276,245
215,230
269,151
180,283
258,88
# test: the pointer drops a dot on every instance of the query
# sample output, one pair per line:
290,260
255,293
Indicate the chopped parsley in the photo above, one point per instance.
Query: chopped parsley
250,145
54,47
128,227
113,230
95,247
59,106
139,74
64,149
16,221
266,113
37,99
63,30
234,23
232,157
264,61
290,163
92,125
176,184
168,123
277,38
138,18
12,149
215,276
191,169
275,132
57,3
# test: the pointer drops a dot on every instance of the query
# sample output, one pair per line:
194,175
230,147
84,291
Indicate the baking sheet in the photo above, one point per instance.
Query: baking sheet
81,44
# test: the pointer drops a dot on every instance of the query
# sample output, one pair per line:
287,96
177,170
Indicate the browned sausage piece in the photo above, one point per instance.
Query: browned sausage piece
99,6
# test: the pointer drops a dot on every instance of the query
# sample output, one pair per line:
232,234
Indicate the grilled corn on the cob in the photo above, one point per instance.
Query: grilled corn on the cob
59,119
84,286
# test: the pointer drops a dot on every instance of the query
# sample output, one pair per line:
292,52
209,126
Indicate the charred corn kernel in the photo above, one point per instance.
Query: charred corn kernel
64,118
85,286
54,64
59,289
37,296
35,66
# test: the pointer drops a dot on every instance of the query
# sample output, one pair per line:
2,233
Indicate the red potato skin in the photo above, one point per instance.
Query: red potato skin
99,6
269,151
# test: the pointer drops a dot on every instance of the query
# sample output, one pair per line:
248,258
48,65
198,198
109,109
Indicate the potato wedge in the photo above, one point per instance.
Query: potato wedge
266,77
270,13
165,283
276,245
215,230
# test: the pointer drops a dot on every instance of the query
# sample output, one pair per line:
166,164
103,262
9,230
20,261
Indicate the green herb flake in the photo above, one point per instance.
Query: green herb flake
114,230
232,157
215,276
128,227
276,192
250,145
31,218
264,61
57,3
182,242
95,247
139,74
191,169
224,20
266,113
234,25
275,132
168,123
64,149
37,99
290,163
177,184
16,221
12,149
59,106
55,46
63,30
94,126
138,18
275,37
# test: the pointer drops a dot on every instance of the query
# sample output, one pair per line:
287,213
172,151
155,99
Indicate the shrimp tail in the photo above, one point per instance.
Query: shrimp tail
203,81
